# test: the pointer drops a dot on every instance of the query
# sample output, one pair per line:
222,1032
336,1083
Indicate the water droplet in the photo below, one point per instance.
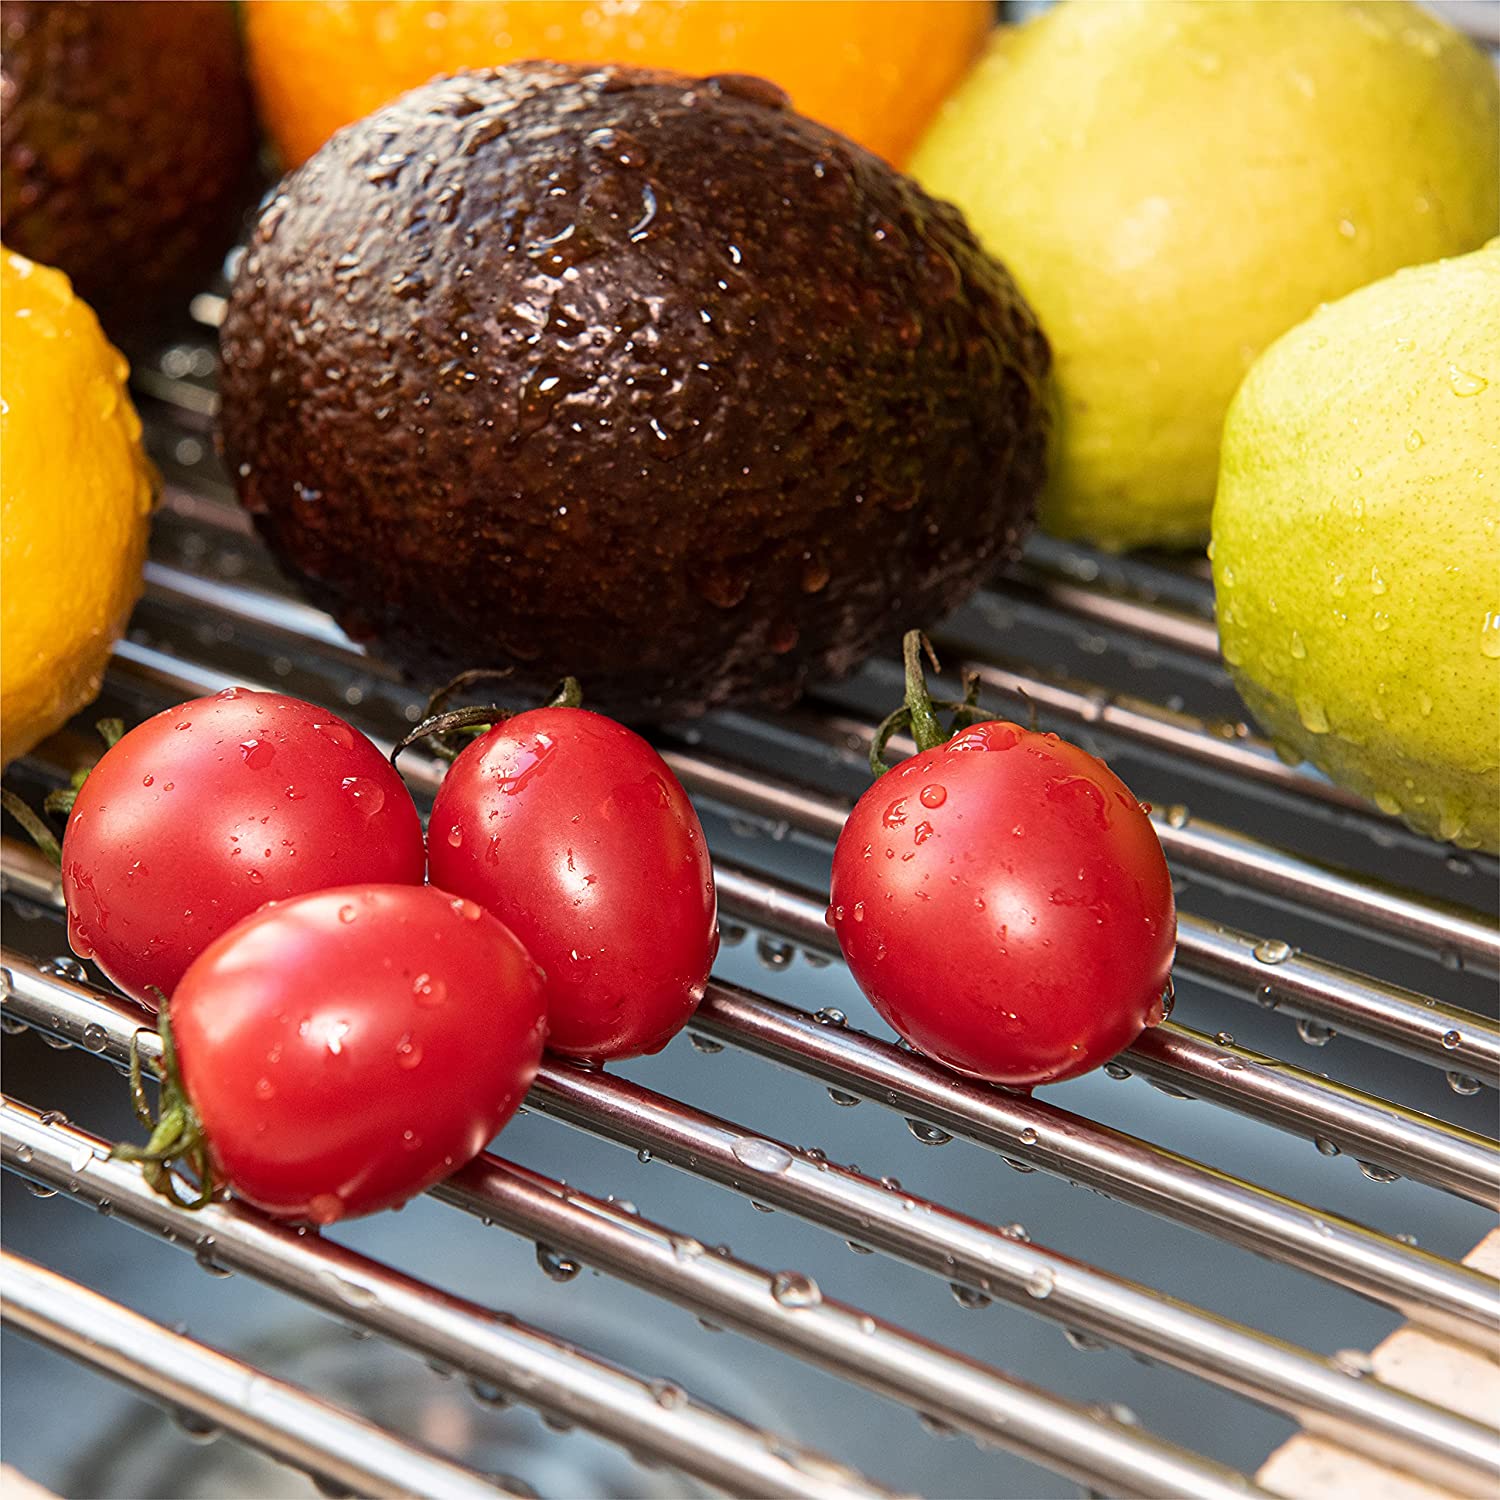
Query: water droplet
367,795
1462,383
667,1395
556,1265
1027,1137
487,1394
859,1249
205,1257
1017,1232
1353,1362
1461,1083
1314,1033
1378,1174
845,1101
1489,634
1325,1146
968,1297
928,1135
1452,1040
65,967
775,954
347,914
198,1428
1313,715
828,1016
1272,951
325,1208
408,1052
258,754
933,796
265,1090
793,1289
1041,1283
1407,1239
1116,1070
760,1155
428,992
1299,651
1084,1341
456,836
1413,440
94,1038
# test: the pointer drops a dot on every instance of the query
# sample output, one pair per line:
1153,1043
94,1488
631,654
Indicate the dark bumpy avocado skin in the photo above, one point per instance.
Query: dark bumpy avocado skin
127,149
623,374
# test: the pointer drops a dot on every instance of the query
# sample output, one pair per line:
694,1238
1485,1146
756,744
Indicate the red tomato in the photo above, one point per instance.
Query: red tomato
346,1050
571,829
207,811
1004,902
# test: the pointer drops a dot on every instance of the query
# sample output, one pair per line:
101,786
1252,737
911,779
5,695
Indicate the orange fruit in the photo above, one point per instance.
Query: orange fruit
874,69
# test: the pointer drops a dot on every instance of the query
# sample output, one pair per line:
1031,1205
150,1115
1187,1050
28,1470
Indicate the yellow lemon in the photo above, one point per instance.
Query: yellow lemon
75,497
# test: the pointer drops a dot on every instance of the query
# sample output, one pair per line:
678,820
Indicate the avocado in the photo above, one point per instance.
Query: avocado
623,374
127,148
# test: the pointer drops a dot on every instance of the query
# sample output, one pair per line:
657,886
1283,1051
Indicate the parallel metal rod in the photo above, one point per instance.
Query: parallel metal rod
882,1216
921,1233
940,1240
789,1312
1365,1126
1179,629
1452,1300
1267,969
1385,1015
1210,850
279,1419
525,1363
1155,727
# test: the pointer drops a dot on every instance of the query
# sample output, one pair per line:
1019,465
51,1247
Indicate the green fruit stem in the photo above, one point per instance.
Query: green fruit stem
919,713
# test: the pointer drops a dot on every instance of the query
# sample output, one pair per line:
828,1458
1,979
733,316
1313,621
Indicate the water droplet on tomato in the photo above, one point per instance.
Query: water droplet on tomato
338,734
148,781
470,911
429,992
455,836
264,1089
408,1052
933,796
325,1208
921,833
258,754
367,795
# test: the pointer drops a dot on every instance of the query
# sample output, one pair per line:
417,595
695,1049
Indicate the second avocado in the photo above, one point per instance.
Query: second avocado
624,374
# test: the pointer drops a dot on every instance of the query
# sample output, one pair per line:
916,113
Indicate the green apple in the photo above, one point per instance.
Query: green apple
1356,544
1174,185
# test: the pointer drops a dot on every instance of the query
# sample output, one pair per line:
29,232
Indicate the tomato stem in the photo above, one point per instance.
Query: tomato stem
442,724
176,1133
919,712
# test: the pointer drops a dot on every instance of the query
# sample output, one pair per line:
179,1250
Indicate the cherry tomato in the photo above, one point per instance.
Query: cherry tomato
205,812
573,831
1004,902
345,1050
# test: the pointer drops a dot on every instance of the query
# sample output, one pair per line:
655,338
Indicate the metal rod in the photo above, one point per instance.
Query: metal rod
279,1419
926,1235
884,1217
921,1233
791,1313
1219,854
526,1364
1452,1300
1384,1015
1372,1129
1043,587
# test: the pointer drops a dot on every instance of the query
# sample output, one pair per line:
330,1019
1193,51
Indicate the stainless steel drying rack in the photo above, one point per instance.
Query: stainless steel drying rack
1152,619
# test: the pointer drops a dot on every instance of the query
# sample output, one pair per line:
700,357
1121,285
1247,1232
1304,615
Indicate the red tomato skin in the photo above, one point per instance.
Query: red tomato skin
1003,901
572,830
203,813
347,1049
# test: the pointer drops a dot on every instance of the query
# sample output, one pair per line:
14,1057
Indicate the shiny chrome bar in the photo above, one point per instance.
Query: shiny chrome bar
990,1261
1372,1129
789,1312
526,1364
1217,853
287,1423
1450,1299
1270,970
882,1216
1032,582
